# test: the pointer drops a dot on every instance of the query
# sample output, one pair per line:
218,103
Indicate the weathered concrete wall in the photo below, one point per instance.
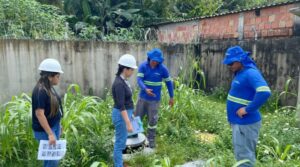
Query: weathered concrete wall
278,60
92,65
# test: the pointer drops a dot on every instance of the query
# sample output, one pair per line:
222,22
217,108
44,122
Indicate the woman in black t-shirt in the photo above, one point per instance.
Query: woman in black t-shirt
46,106
123,106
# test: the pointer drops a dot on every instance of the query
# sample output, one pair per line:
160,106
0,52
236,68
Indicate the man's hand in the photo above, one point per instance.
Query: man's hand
171,102
241,112
150,93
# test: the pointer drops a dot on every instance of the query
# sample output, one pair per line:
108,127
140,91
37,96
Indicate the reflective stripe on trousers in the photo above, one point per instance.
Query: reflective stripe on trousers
150,109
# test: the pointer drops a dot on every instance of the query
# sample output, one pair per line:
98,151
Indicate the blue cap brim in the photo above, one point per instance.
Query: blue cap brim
157,60
228,61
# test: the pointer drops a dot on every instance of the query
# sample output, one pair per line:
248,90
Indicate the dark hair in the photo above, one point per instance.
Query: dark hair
121,69
44,83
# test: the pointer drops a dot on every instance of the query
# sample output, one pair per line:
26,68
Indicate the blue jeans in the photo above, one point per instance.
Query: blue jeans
44,136
120,135
244,139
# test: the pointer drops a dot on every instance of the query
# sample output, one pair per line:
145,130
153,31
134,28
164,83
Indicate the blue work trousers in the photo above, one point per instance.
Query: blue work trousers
244,138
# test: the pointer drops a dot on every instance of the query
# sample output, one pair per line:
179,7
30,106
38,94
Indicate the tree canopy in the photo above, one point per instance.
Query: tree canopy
95,19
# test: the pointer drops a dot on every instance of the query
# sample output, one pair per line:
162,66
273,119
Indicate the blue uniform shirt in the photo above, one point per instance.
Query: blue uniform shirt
250,90
149,78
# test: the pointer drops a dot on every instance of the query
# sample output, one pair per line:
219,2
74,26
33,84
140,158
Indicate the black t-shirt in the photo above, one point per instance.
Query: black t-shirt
122,94
41,100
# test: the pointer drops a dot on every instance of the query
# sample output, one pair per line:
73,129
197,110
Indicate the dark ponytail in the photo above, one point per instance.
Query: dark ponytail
44,83
121,69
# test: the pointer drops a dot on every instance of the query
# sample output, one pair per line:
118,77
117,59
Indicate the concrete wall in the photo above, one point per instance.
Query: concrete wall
92,65
276,49
278,60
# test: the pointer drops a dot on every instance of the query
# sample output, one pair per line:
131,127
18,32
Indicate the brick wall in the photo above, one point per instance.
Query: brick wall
220,27
272,22
269,22
184,32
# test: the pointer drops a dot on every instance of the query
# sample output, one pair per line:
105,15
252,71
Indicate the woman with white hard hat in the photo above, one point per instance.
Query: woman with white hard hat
123,106
46,105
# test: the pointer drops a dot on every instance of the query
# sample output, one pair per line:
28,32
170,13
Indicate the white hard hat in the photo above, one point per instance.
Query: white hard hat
50,65
127,60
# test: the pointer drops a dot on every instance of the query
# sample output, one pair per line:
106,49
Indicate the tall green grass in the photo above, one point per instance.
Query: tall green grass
89,131
16,133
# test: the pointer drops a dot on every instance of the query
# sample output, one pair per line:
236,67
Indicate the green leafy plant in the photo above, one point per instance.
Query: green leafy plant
285,94
277,150
17,143
125,35
219,93
193,76
30,19
99,164
88,128
165,162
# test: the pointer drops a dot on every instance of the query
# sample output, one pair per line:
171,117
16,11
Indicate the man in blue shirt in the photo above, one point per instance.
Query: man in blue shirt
249,91
150,77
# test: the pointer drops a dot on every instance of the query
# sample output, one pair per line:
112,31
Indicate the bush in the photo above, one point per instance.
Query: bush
30,19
